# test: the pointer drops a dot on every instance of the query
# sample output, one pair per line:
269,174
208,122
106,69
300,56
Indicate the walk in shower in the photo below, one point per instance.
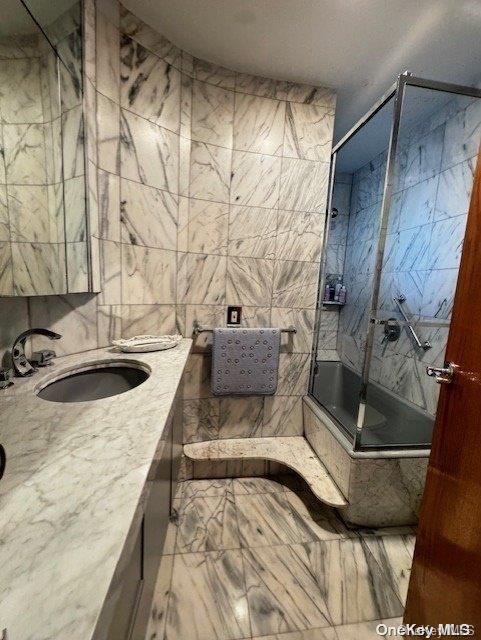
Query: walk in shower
401,181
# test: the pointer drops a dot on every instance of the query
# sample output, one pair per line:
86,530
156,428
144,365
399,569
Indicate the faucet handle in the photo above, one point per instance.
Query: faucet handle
6,378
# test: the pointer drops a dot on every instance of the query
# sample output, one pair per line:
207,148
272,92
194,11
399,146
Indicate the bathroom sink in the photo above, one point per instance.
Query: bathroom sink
93,383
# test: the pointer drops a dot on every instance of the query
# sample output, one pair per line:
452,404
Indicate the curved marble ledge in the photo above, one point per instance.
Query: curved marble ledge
294,452
76,480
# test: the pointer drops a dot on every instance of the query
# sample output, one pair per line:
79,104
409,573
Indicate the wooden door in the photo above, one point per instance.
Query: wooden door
445,582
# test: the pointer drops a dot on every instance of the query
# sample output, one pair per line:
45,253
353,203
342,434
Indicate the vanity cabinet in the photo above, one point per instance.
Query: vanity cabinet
132,611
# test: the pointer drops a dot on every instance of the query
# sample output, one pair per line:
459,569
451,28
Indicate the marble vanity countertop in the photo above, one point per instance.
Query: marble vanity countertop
75,477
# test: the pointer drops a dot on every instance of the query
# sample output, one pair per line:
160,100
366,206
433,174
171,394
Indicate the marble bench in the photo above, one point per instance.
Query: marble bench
294,452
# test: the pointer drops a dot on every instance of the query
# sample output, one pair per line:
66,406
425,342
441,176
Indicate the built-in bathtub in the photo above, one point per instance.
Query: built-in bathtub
384,480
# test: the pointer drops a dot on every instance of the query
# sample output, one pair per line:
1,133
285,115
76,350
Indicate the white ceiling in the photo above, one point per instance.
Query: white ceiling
357,47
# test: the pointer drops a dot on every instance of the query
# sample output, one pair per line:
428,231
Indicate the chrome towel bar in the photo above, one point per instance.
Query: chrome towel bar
200,329
399,299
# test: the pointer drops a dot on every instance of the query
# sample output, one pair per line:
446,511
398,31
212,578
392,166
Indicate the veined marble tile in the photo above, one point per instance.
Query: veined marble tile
185,147
209,172
73,143
249,281
20,92
148,275
206,524
54,153
240,417
186,99
282,591
108,131
148,216
77,267
109,205
304,93
394,554
265,519
3,178
299,236
314,520
4,220
149,154
438,293
424,158
252,232
208,227
150,87
39,269
255,179
109,324
151,319
248,486
295,284
259,124
214,74
260,86
73,316
463,132
197,377
454,190
212,114
6,275
303,185
446,243
108,60
28,207
110,271
302,320
408,250
414,206
160,600
208,597
187,64
207,316
293,374
356,631
24,153
201,419
201,278
309,130
355,588
75,209
69,50
328,329
138,30
282,416
205,488
256,317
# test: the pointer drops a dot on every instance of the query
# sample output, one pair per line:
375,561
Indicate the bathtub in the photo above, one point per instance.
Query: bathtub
384,481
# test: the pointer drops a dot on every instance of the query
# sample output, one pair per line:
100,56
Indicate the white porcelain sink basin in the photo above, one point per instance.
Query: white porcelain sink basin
94,382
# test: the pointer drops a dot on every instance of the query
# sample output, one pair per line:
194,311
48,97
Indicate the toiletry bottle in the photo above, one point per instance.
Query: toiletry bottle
337,289
332,291
326,293
342,295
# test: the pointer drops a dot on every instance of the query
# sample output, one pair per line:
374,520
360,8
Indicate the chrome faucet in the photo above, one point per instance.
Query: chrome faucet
21,364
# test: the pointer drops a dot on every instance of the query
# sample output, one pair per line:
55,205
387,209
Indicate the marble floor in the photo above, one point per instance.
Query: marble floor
262,559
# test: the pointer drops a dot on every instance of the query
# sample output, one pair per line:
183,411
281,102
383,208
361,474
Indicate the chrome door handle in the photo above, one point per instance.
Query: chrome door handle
442,375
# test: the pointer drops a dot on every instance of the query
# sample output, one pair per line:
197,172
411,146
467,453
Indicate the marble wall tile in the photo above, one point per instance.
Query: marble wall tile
148,275
252,232
150,87
328,329
110,270
73,316
424,158
414,206
293,374
148,216
108,131
295,284
203,278
240,417
302,320
438,293
149,38
259,124
299,236
207,316
322,96
255,180
109,205
282,416
454,190
183,225
186,99
249,281
212,114
463,132
39,269
209,172
108,61
16,310
24,147
149,153
446,243
309,130
214,74
109,324
73,147
208,227
4,219
29,212
259,86
154,319
303,185
184,165
75,209
3,175
197,377
201,419
20,92
6,275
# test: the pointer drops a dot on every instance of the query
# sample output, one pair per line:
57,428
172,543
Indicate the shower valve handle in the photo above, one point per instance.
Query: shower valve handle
442,375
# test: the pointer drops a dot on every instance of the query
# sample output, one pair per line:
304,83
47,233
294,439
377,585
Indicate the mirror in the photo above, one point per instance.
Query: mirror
43,223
